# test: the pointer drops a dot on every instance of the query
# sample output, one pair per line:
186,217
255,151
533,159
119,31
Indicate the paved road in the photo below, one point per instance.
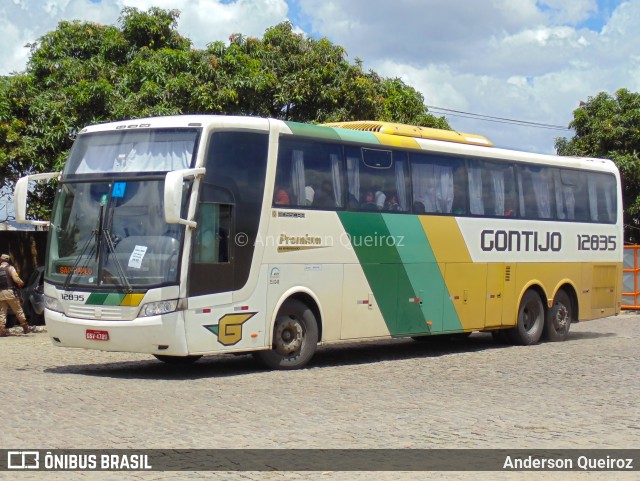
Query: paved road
471,393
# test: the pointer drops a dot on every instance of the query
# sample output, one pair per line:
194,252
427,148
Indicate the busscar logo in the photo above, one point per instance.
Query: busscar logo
23,460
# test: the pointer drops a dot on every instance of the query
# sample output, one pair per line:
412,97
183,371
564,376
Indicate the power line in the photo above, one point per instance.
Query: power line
489,118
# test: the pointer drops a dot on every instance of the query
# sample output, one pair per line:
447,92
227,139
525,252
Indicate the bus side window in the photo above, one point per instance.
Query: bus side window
309,175
212,238
491,188
536,188
571,195
438,185
602,197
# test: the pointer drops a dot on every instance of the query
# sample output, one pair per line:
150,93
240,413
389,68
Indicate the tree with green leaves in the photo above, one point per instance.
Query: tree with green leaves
608,126
85,73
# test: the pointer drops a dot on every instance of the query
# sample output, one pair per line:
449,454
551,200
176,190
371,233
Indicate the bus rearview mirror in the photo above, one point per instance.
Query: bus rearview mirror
173,194
20,196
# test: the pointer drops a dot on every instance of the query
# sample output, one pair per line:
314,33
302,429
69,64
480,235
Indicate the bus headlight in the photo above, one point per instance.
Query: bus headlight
52,304
157,308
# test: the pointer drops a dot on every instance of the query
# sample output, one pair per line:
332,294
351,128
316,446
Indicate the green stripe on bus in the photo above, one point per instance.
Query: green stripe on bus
330,133
380,262
105,299
307,130
421,267
357,136
400,267
114,299
96,298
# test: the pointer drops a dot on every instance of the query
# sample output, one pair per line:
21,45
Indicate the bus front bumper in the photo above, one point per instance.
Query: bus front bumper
163,335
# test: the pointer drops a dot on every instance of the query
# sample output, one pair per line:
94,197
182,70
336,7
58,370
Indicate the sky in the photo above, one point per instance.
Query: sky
532,61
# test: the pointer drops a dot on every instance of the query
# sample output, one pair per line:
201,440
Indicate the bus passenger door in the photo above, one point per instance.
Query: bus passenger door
467,290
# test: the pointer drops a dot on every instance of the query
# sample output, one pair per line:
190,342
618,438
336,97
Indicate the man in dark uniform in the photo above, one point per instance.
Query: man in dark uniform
8,279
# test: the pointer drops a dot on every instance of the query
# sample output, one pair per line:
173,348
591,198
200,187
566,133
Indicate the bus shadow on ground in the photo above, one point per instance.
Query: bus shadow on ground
347,354
581,336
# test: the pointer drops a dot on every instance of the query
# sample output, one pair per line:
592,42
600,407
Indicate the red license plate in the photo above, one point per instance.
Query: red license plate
93,335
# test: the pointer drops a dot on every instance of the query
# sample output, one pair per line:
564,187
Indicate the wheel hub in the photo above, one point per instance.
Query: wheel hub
288,336
562,317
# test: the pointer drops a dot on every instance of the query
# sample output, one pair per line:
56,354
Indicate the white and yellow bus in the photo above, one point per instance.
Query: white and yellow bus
187,236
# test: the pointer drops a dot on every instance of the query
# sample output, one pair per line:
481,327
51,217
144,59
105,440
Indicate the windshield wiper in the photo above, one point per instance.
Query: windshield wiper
67,281
95,234
121,272
98,235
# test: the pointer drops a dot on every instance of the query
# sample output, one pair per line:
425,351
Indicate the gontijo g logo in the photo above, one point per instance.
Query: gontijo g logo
229,328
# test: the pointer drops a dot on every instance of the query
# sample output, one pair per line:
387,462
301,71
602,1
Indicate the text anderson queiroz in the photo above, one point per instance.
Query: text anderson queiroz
584,463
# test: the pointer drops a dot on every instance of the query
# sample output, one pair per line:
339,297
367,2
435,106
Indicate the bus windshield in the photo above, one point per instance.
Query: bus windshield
112,235
142,150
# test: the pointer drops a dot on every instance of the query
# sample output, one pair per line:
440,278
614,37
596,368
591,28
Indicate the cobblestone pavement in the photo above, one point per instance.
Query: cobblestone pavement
472,393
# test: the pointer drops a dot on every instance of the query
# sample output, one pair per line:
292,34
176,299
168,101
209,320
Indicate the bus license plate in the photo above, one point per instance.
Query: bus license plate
93,335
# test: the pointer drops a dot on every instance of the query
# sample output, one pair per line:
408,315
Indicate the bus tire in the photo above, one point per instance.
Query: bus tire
177,359
295,337
530,322
558,322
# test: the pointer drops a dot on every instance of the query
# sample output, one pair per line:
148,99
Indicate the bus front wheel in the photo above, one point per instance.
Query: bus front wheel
530,320
556,327
295,337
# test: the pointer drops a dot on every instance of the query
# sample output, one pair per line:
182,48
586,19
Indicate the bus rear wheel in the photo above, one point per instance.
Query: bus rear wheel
530,320
295,337
558,322
177,359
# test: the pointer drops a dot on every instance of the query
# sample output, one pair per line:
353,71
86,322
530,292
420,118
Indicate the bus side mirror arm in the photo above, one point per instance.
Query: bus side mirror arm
173,187
20,196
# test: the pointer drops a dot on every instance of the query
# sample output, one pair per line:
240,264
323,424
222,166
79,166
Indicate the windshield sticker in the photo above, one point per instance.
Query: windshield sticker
137,255
118,190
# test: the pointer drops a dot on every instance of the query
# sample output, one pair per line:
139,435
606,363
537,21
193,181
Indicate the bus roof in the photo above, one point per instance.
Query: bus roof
371,132
415,131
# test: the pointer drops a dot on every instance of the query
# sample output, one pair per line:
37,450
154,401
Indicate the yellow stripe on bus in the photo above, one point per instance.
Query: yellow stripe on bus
132,300
397,141
446,239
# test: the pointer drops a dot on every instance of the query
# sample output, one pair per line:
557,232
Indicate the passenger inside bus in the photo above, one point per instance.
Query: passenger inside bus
325,197
379,197
368,201
280,197
418,208
392,203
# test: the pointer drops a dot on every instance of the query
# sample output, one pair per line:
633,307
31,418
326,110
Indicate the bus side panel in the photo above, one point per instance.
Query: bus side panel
466,282
467,289
361,316
497,290
605,290
379,259
421,306
309,251
213,323
322,280
545,253
405,278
